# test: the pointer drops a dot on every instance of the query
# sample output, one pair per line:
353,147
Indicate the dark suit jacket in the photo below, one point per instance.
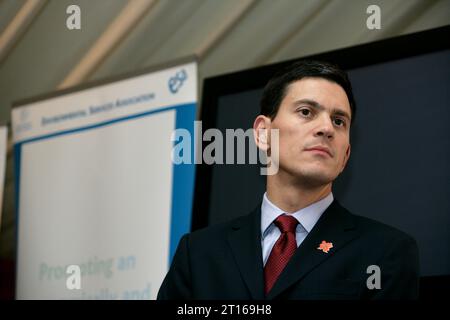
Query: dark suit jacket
225,262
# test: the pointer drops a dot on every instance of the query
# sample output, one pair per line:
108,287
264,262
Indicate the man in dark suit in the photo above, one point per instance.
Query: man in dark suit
300,243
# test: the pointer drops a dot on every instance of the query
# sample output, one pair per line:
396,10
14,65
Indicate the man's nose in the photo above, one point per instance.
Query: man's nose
324,128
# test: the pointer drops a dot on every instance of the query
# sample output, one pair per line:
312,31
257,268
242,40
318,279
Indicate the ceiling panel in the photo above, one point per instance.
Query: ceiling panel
336,26
48,50
263,31
192,34
437,15
148,36
8,10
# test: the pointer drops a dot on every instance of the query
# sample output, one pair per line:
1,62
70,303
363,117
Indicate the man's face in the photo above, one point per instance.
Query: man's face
314,126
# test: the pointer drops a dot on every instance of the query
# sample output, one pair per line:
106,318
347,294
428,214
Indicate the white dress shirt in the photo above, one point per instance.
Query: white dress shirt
307,218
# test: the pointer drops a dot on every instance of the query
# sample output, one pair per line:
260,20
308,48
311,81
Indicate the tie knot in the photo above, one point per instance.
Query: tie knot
286,223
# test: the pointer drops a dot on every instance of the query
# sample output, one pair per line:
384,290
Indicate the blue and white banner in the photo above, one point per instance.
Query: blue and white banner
3,158
97,191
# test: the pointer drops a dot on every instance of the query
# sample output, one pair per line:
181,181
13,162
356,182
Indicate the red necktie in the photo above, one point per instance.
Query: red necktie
282,250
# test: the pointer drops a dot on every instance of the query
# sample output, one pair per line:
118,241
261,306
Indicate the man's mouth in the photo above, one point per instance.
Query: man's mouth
320,150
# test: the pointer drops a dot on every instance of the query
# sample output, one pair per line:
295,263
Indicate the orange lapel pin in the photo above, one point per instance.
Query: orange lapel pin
325,246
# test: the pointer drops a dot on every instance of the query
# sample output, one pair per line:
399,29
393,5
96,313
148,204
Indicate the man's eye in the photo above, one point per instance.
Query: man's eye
339,122
305,112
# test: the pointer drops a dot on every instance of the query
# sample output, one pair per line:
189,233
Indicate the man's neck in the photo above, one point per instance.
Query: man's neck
291,198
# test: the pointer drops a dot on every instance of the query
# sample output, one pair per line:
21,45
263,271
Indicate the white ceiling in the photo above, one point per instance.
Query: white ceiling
38,54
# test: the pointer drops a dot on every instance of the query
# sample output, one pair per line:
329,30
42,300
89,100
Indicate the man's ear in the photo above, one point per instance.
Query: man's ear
346,156
261,131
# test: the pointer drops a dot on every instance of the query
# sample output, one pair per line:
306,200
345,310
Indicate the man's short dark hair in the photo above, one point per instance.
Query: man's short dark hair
275,90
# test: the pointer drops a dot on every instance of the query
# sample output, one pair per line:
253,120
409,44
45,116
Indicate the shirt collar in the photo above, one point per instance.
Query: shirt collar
307,217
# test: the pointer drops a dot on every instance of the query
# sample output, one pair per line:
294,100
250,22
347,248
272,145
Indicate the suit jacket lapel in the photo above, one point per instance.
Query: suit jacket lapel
335,226
245,243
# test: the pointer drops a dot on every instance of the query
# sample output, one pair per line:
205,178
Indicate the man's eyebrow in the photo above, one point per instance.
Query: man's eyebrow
342,113
320,107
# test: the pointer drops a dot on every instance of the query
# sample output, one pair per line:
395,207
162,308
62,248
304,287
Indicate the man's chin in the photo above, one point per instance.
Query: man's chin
315,178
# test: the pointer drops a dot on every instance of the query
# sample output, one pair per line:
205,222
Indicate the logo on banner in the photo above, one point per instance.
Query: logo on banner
24,114
176,82
24,124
